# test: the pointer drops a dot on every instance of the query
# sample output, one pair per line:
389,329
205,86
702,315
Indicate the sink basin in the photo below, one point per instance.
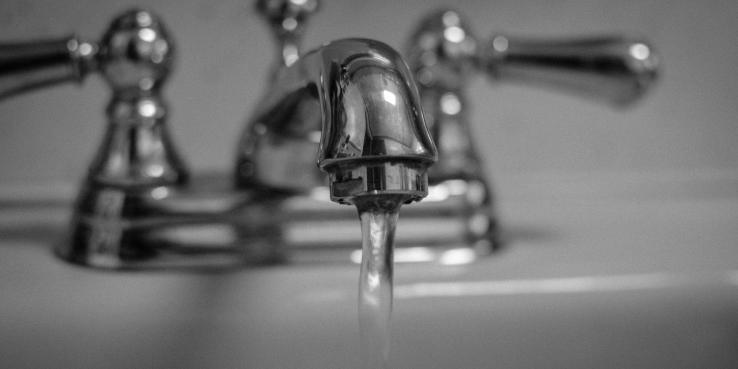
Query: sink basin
640,272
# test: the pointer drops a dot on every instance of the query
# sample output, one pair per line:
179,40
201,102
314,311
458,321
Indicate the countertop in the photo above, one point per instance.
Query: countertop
599,271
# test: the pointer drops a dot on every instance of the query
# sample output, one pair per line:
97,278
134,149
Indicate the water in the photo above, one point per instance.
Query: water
378,222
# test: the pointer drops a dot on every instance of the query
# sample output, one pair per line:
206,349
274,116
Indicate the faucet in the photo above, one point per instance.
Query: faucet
344,122
443,54
358,94
372,141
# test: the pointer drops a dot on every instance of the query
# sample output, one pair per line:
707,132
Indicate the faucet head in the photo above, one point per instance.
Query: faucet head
378,142
360,98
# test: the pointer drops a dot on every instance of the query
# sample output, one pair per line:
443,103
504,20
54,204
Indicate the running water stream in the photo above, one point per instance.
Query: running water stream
378,222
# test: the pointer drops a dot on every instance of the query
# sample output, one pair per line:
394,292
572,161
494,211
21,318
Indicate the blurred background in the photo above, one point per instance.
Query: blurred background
687,124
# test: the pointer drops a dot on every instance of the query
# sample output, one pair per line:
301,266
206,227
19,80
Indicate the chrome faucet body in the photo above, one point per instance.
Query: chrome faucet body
366,113
357,95
137,162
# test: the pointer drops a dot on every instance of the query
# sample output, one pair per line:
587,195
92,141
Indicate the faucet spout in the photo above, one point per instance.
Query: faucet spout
350,106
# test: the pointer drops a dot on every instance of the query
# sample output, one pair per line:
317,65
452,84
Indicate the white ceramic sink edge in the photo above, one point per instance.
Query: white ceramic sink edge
598,278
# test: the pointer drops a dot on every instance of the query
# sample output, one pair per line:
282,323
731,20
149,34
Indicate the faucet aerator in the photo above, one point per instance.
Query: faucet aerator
402,178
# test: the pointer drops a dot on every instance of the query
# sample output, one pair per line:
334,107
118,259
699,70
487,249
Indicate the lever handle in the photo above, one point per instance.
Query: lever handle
287,19
618,70
444,53
615,69
25,66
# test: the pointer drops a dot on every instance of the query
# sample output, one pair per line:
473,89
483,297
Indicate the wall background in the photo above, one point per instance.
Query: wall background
687,124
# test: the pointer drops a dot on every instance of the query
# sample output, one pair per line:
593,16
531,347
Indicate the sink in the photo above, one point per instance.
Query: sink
609,271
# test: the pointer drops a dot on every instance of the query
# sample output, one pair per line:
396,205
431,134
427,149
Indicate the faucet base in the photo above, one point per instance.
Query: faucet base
456,214
208,225
454,224
120,227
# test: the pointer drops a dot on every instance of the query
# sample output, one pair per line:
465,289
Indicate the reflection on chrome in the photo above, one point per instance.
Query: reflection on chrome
389,97
160,193
425,254
640,51
373,137
458,256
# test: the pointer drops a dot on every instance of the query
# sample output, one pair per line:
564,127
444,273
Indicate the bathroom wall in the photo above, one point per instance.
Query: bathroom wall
687,124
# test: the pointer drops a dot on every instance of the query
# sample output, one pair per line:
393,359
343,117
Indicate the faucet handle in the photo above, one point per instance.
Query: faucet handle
135,54
287,19
137,164
29,65
135,58
615,69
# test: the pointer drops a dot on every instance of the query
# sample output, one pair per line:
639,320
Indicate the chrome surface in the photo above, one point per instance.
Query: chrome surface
352,101
137,161
359,98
